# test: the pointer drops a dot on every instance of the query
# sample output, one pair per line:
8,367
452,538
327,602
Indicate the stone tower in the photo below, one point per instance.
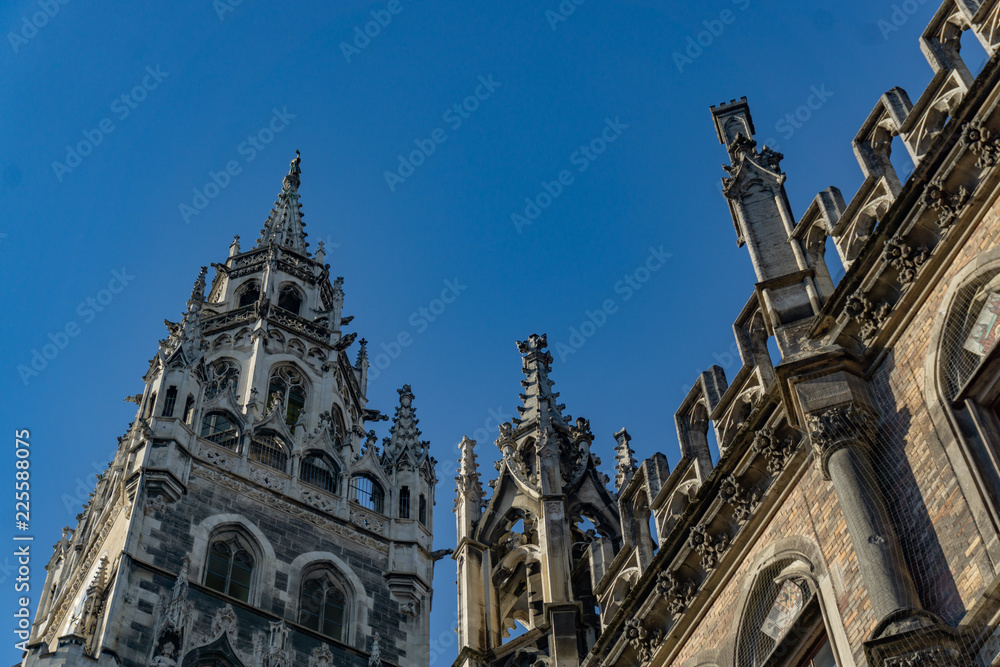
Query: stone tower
523,559
249,517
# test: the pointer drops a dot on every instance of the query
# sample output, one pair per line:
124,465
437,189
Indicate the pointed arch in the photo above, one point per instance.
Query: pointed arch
358,606
221,525
787,605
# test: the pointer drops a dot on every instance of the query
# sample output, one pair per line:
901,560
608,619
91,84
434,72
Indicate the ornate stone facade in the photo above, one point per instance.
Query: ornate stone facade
274,530
850,513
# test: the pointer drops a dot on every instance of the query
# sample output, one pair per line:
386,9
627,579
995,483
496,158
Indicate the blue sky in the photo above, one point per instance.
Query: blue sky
599,117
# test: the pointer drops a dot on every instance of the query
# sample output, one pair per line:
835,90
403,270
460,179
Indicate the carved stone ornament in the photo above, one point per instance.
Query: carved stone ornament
677,594
947,204
709,547
774,451
904,259
642,640
977,140
321,657
744,501
838,427
868,315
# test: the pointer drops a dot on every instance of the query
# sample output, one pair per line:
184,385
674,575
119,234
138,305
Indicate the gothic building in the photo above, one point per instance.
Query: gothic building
248,518
852,515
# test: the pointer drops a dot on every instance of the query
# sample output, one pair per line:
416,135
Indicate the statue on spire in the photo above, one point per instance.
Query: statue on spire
292,180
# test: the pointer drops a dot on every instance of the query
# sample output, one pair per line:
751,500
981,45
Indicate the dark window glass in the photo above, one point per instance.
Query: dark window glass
249,295
168,406
319,472
367,493
404,503
290,300
230,569
188,408
323,607
268,449
217,427
422,516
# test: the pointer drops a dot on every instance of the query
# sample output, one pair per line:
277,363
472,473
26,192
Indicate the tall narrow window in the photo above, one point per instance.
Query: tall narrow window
324,605
422,510
249,294
268,448
168,405
188,409
289,299
367,493
220,429
152,404
230,567
404,503
287,388
319,471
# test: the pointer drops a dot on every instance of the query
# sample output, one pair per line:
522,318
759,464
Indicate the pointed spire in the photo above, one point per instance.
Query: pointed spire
234,247
198,291
404,434
284,226
540,404
625,462
362,354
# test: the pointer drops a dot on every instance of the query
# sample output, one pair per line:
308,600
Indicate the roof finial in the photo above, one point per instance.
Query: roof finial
625,459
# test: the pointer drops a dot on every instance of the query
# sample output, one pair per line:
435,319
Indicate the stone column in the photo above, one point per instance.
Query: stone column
842,437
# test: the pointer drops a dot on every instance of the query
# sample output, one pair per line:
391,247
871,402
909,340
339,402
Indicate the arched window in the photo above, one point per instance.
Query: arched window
230,566
404,503
249,294
290,299
783,618
367,492
269,449
422,510
225,373
220,428
152,402
320,471
971,331
323,605
287,387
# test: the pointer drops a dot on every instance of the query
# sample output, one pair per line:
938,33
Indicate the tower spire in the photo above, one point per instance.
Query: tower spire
284,226
539,400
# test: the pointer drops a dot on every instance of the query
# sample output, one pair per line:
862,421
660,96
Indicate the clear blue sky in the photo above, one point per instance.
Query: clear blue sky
209,78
